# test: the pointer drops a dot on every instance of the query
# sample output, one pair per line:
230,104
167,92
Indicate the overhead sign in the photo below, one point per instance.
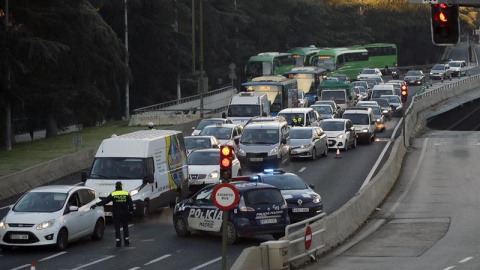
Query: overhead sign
308,237
225,196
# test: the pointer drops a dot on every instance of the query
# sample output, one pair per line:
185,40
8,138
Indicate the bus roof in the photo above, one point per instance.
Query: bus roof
270,80
304,50
374,45
337,51
306,70
268,56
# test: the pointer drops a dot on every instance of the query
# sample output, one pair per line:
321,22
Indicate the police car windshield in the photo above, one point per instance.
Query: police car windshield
259,136
204,158
300,133
332,125
197,143
285,182
243,110
221,133
118,168
44,202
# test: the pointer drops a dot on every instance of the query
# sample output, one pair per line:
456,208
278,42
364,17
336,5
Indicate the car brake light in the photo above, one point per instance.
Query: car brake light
284,206
243,207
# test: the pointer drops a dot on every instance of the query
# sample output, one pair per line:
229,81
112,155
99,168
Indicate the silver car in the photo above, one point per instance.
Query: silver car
308,142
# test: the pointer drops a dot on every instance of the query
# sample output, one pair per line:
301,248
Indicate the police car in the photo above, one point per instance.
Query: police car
302,201
261,210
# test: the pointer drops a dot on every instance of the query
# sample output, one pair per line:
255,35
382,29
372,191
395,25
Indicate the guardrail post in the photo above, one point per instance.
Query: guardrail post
442,79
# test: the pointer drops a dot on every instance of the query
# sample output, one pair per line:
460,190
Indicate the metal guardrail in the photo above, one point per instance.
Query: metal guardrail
301,239
423,93
159,106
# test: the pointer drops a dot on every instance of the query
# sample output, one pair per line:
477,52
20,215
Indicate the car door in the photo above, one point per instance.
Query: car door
203,214
89,216
285,134
348,132
323,141
73,220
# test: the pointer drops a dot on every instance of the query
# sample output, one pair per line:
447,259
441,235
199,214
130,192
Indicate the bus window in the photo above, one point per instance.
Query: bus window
340,61
258,68
325,62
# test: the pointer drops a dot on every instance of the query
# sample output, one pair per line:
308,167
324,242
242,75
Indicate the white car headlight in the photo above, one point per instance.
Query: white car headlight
379,120
46,224
3,225
213,175
274,151
365,130
317,199
339,136
385,111
134,192
305,146
241,152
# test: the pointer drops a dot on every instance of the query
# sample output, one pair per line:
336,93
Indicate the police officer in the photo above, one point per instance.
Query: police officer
297,121
122,209
150,126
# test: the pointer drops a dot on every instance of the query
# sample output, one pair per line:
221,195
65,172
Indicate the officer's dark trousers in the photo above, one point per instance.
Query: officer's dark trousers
122,220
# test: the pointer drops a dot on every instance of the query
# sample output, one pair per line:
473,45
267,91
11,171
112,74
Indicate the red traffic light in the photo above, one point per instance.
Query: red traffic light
445,24
225,162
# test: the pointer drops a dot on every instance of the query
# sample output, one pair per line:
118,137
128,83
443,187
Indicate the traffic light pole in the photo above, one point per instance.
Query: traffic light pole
404,125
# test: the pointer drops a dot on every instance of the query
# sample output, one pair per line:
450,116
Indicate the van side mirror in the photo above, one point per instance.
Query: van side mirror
224,115
83,176
149,178
312,186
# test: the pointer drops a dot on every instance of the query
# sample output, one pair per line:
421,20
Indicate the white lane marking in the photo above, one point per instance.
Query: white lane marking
147,240
158,259
377,163
412,178
94,262
53,256
207,263
465,260
20,267
6,207
302,169
450,267
135,268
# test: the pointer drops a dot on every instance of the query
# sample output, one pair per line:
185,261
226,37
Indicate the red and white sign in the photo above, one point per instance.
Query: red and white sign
225,196
308,238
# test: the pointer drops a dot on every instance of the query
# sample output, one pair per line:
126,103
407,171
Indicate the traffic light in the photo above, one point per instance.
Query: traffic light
445,24
226,158
404,93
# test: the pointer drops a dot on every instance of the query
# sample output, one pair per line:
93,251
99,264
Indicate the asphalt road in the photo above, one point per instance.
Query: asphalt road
155,244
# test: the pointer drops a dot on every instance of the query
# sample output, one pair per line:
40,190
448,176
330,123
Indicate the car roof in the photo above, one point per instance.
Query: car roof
244,185
56,188
295,110
267,124
199,137
215,119
335,120
216,150
223,125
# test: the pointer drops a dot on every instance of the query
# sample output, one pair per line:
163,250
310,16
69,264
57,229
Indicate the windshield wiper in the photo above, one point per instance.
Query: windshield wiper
100,176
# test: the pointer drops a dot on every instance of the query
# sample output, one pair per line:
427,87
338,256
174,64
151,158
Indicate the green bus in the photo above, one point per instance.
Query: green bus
269,63
281,92
348,61
303,55
380,55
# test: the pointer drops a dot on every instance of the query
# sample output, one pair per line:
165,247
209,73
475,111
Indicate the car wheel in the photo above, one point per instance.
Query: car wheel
99,230
62,240
314,153
181,227
354,145
325,152
146,210
232,236
6,248
373,137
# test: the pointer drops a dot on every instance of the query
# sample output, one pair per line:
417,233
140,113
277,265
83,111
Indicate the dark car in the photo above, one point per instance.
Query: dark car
302,201
261,209
414,77
385,106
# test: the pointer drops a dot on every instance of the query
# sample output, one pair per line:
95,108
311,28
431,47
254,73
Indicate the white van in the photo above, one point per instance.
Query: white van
309,116
151,164
382,89
363,121
246,105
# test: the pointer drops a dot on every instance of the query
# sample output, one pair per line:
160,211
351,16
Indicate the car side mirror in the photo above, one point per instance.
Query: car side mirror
193,128
149,178
312,186
224,115
284,141
83,176
73,208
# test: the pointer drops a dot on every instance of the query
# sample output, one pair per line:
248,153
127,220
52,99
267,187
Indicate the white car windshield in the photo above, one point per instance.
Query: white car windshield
438,67
243,110
301,134
368,71
221,133
357,119
204,158
44,202
454,64
260,136
197,143
332,125
205,123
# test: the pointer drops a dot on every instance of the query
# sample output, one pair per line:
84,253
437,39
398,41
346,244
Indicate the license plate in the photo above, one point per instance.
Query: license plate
412,81
19,236
300,210
268,221
256,159
294,151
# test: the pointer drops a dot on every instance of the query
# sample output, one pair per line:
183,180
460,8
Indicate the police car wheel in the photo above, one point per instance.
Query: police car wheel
99,230
232,236
62,240
181,227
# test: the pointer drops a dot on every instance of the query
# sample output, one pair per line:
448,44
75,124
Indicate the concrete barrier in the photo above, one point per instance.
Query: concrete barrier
347,220
47,172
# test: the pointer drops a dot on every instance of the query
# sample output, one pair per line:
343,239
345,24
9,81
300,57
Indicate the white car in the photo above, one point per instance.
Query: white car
227,134
340,132
207,122
204,168
302,100
52,215
200,142
369,73
458,67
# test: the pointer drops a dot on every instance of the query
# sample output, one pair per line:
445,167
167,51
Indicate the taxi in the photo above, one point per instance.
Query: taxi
227,134
260,210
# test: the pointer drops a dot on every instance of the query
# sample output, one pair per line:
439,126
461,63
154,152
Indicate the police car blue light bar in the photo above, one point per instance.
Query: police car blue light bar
272,171
251,178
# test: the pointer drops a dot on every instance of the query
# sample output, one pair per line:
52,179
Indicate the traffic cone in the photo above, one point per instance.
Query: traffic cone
337,156
32,265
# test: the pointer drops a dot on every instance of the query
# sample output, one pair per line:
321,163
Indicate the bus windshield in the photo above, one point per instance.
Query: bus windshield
257,69
243,110
325,62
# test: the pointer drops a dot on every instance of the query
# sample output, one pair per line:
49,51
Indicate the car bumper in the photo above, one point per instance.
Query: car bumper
413,81
33,236
297,213
246,228
260,162
436,76
301,152
335,143
364,135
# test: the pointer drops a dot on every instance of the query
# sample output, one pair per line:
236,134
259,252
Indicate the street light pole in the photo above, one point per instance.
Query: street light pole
8,109
179,92
127,85
201,59
193,37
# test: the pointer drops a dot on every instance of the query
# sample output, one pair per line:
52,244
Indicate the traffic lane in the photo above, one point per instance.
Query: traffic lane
151,240
459,52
